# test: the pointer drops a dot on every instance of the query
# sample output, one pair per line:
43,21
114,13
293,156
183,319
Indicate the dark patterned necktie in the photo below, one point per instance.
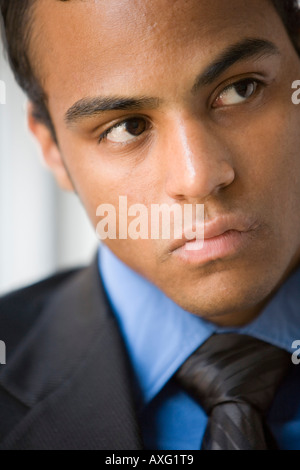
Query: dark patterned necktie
234,378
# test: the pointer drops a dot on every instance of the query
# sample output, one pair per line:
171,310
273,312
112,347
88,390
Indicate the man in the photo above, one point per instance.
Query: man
163,102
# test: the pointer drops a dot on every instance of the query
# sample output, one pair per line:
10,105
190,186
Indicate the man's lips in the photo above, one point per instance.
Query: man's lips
216,227
223,235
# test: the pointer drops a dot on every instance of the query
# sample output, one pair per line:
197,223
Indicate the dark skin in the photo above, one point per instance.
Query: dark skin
236,152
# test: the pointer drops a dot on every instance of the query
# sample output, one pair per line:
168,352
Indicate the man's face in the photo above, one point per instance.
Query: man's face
226,136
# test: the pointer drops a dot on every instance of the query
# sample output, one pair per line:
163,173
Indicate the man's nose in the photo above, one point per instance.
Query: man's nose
198,164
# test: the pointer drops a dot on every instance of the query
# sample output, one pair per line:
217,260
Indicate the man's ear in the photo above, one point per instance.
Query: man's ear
51,153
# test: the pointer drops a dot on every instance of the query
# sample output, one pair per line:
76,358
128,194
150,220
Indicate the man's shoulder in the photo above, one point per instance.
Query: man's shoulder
64,352
40,288
20,308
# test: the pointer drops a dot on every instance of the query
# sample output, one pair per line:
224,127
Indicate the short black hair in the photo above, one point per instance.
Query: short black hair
16,27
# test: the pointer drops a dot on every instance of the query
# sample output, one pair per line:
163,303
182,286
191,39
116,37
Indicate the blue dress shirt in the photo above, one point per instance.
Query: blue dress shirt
159,336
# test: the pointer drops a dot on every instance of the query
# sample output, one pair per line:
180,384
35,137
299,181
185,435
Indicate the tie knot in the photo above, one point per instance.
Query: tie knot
234,368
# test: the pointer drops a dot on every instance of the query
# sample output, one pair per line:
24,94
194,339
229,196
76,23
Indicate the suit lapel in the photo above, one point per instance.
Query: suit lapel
73,374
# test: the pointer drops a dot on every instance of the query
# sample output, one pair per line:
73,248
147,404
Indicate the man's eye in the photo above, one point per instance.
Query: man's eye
124,131
236,93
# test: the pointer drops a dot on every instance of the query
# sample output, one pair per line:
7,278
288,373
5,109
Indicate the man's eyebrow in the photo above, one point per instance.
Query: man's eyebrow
249,47
89,107
242,50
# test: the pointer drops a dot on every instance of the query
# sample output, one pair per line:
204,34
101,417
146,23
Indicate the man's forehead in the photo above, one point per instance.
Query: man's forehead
118,24
98,43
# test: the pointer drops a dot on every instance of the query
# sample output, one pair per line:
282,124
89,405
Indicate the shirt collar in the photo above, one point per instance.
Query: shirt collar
279,322
159,335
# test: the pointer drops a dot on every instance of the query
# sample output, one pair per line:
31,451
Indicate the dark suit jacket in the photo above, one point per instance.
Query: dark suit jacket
67,383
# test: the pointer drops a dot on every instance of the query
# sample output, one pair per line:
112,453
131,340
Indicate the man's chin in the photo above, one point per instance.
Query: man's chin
234,304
